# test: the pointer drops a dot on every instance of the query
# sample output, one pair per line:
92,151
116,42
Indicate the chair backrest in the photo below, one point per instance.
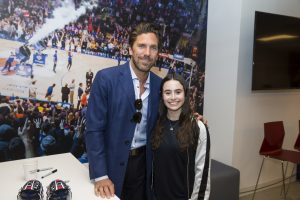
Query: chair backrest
297,143
273,140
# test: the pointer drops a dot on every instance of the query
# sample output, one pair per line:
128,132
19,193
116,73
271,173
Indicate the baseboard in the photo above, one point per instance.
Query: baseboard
265,186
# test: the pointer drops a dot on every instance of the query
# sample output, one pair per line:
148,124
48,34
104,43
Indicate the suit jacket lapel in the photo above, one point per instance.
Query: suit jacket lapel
150,99
127,84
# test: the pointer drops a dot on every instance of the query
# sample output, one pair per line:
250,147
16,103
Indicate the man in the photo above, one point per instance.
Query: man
32,90
5,108
54,41
89,78
49,92
79,94
69,61
65,91
119,57
84,99
54,61
122,112
9,62
25,51
72,89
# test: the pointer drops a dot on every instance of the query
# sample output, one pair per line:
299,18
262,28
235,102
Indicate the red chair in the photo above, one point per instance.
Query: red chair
272,148
297,147
297,143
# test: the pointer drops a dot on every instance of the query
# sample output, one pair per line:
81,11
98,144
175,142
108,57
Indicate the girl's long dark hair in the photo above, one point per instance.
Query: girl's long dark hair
188,129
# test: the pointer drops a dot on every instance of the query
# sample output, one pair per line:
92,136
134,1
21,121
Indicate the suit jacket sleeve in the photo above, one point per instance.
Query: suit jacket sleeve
96,126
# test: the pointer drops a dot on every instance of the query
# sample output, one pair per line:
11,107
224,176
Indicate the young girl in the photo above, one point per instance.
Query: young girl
181,147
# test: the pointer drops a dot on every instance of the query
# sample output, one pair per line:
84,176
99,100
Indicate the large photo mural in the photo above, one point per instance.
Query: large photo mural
50,51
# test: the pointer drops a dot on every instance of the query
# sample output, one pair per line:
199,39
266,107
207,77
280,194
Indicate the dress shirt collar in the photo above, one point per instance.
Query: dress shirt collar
134,77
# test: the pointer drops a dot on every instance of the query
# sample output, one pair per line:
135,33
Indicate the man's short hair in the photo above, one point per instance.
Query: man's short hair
144,28
48,145
16,148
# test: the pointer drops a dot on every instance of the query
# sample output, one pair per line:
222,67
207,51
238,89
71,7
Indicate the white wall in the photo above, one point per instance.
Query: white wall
236,114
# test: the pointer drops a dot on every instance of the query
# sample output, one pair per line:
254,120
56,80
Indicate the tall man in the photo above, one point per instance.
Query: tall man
122,112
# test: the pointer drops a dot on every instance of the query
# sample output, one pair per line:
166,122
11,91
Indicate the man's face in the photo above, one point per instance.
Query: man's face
144,52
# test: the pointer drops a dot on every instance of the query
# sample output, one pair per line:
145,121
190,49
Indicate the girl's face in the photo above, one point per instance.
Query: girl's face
173,95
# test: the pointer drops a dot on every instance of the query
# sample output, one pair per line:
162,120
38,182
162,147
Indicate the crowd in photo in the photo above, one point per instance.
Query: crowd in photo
30,128
197,89
104,30
21,19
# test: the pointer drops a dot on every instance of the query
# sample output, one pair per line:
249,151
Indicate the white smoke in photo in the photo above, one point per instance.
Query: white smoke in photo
62,16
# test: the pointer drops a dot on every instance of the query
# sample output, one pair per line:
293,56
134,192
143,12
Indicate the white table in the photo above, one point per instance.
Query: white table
68,168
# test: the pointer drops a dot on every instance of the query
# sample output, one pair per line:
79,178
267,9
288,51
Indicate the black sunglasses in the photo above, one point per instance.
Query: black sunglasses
137,117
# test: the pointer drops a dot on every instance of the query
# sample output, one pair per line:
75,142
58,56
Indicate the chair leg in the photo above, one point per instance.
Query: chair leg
283,180
258,178
285,173
288,186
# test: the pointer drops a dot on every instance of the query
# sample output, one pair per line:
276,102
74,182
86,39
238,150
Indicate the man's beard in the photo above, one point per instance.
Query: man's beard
139,67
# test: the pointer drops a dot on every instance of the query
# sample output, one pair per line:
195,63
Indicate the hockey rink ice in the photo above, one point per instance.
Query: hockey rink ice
12,84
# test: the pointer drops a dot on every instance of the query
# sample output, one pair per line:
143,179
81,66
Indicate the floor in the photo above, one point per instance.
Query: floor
274,193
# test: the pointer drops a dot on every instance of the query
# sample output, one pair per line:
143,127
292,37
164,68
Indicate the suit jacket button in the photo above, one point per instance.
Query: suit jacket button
122,163
127,142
